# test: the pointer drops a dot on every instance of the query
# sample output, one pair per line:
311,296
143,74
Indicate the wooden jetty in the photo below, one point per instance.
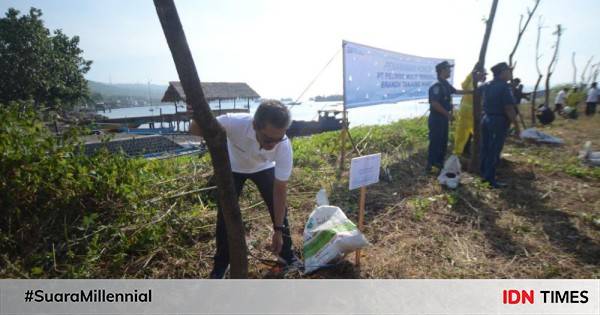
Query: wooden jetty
171,120
215,92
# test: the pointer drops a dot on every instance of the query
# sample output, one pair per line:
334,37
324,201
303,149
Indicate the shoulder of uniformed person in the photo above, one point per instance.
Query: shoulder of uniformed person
436,88
484,86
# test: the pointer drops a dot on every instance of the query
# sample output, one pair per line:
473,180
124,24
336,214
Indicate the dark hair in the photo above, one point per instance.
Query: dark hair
594,84
517,80
272,112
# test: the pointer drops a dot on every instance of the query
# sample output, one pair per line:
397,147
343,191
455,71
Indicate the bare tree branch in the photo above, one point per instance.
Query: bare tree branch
537,66
574,68
553,62
522,29
593,74
585,70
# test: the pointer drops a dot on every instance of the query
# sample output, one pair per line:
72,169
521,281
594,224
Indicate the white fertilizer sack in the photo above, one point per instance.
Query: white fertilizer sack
328,236
450,174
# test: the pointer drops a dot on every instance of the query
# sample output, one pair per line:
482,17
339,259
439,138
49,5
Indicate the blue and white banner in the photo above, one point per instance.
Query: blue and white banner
376,76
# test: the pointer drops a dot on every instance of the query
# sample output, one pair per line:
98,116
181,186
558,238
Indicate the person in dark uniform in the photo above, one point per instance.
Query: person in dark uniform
440,101
517,90
498,113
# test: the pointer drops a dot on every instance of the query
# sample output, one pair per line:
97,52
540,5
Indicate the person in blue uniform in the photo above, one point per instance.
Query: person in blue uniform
498,113
440,102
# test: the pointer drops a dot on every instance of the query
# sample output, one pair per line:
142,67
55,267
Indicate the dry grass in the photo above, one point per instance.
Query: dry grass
541,226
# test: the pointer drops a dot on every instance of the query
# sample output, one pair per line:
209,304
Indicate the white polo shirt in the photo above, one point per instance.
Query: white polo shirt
561,98
592,95
244,150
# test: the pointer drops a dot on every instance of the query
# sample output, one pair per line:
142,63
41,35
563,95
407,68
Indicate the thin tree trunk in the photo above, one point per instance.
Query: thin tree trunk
552,65
593,74
539,72
522,29
213,132
533,97
585,70
474,164
574,69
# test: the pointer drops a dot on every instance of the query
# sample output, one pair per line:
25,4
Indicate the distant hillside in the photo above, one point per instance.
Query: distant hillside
122,90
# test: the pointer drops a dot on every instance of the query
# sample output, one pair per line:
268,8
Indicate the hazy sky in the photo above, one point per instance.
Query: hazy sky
279,46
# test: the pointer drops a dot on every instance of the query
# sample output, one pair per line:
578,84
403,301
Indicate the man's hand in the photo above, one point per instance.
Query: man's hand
194,128
277,242
517,131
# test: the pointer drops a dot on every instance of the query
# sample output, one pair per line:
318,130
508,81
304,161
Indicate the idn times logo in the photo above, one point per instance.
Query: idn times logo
514,296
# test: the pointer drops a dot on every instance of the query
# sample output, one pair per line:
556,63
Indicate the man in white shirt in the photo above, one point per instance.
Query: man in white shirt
260,151
561,100
592,100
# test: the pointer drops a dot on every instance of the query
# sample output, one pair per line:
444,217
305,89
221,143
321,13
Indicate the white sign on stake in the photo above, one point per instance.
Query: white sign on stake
364,170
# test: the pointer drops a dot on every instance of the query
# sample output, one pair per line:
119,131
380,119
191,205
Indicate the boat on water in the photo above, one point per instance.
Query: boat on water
329,120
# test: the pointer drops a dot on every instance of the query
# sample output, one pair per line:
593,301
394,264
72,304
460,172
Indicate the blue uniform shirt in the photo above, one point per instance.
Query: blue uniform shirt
441,92
496,95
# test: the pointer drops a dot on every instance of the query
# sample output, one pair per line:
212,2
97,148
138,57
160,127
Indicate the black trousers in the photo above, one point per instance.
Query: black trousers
438,140
264,180
590,108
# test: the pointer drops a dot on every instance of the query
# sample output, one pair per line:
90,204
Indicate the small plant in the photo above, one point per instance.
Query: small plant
420,207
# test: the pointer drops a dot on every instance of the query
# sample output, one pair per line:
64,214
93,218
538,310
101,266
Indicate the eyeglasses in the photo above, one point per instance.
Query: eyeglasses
268,140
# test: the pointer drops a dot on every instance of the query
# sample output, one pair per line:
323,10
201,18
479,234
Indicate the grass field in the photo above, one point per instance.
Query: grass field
156,219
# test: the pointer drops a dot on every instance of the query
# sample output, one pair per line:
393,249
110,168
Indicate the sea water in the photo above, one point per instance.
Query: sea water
361,116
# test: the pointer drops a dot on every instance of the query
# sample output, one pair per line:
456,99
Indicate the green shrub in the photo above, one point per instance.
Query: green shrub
57,204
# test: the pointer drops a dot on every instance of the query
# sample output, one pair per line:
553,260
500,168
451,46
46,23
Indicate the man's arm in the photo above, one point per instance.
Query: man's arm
279,207
440,109
511,113
195,129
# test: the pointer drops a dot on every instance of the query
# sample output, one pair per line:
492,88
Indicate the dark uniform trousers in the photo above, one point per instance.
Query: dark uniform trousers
494,129
590,108
497,96
438,140
440,92
264,181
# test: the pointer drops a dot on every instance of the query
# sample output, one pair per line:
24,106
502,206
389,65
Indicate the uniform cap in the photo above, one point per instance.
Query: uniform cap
443,65
497,69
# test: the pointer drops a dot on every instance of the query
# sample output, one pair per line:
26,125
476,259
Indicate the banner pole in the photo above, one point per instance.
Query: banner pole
361,219
344,116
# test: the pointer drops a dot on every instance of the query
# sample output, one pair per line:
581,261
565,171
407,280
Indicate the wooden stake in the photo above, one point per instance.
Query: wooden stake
361,218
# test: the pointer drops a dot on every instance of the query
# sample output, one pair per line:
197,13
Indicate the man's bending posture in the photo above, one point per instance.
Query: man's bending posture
260,151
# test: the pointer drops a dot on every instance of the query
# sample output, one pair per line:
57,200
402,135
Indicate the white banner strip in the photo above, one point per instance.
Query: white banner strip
300,297
376,76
